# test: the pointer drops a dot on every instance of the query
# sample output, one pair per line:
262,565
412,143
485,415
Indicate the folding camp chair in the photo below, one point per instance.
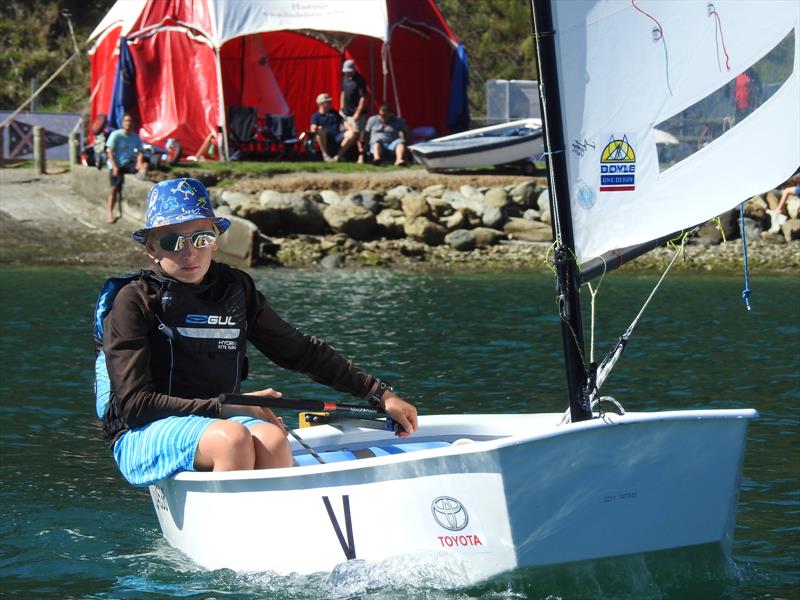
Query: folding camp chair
282,138
242,131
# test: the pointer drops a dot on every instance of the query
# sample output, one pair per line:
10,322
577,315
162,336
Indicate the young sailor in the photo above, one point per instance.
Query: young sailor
176,339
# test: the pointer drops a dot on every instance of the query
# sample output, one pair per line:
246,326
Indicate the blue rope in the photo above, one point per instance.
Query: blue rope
746,291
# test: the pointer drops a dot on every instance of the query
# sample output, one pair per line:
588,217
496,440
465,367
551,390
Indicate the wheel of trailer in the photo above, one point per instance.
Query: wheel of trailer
174,153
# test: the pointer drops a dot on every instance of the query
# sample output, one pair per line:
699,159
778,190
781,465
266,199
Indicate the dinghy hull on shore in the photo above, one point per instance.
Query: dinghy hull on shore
525,492
507,143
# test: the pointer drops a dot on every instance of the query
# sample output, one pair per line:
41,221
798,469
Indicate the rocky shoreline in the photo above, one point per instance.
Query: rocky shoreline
404,220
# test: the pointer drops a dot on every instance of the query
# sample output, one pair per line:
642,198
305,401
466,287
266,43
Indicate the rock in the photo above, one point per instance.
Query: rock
776,220
531,214
711,233
223,211
434,191
468,191
524,194
289,213
752,229
773,199
544,216
793,206
756,208
455,221
332,261
312,195
496,196
424,230
391,222
234,198
493,217
530,231
440,207
355,221
459,201
330,197
415,206
543,201
412,248
485,236
462,240
791,229
471,220
399,192
368,199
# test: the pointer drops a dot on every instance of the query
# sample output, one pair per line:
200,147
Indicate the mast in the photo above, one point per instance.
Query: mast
567,284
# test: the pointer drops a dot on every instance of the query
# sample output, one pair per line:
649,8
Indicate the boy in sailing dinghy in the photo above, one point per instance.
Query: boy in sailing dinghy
176,339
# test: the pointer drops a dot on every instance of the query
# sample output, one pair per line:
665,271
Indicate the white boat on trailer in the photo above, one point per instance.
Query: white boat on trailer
515,142
496,492
527,490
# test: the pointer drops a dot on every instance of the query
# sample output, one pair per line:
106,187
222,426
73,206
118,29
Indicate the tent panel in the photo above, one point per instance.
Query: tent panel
247,77
103,61
168,12
304,67
177,89
244,17
419,12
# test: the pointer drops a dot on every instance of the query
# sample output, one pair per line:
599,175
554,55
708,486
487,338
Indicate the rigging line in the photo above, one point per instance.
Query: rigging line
594,292
661,38
746,291
616,351
718,27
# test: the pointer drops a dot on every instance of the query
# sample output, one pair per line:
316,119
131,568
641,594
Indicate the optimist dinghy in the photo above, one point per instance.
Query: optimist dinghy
495,492
508,143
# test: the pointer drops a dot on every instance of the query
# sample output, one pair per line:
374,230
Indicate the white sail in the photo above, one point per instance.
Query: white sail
660,133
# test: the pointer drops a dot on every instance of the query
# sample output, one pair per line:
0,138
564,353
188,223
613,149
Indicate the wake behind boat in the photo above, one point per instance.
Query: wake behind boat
508,143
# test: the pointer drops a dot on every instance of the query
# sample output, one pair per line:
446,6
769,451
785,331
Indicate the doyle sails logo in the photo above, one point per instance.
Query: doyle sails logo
618,166
209,320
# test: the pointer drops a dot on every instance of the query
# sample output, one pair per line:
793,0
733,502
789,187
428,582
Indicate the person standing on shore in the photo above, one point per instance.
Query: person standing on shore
353,103
125,155
174,338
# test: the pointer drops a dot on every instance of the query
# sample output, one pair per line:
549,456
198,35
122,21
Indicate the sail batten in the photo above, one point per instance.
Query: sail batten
682,110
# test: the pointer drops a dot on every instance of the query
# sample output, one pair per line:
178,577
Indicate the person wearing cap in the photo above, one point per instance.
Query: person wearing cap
174,338
353,102
326,124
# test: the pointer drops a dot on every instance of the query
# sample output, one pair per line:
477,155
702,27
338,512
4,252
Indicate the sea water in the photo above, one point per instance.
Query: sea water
451,343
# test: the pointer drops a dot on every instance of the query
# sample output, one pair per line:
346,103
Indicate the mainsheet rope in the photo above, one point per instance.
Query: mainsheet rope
746,291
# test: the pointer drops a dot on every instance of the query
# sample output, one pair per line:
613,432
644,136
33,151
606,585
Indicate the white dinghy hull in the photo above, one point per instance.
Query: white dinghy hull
502,144
537,494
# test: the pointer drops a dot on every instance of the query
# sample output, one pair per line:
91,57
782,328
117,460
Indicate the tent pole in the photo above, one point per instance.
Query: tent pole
224,117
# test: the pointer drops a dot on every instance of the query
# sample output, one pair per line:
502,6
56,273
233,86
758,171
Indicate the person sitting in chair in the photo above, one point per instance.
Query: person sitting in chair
387,134
326,125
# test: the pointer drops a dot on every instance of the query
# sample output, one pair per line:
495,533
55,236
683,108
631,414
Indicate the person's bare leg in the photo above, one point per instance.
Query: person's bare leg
322,140
399,155
141,166
347,142
272,449
112,200
225,446
376,153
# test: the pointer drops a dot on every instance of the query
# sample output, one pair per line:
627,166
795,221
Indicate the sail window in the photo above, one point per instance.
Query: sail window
680,136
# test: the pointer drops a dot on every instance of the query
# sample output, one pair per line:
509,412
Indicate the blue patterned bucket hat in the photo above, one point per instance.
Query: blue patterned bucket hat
177,201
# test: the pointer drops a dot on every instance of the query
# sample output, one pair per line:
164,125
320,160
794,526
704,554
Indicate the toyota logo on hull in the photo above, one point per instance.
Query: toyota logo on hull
449,513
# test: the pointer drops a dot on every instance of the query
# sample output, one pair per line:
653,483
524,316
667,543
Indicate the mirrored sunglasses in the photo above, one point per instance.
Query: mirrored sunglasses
174,242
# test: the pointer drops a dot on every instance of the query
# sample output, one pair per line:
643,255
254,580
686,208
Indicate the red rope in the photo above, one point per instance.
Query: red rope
722,37
660,29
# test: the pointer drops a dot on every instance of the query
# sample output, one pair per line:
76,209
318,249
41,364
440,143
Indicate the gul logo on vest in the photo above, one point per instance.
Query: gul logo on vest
618,166
209,319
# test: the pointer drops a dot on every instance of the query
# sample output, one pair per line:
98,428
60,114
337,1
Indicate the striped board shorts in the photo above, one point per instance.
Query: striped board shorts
162,448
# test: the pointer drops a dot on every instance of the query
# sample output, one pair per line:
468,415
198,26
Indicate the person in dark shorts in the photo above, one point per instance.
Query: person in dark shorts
353,103
125,155
327,126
